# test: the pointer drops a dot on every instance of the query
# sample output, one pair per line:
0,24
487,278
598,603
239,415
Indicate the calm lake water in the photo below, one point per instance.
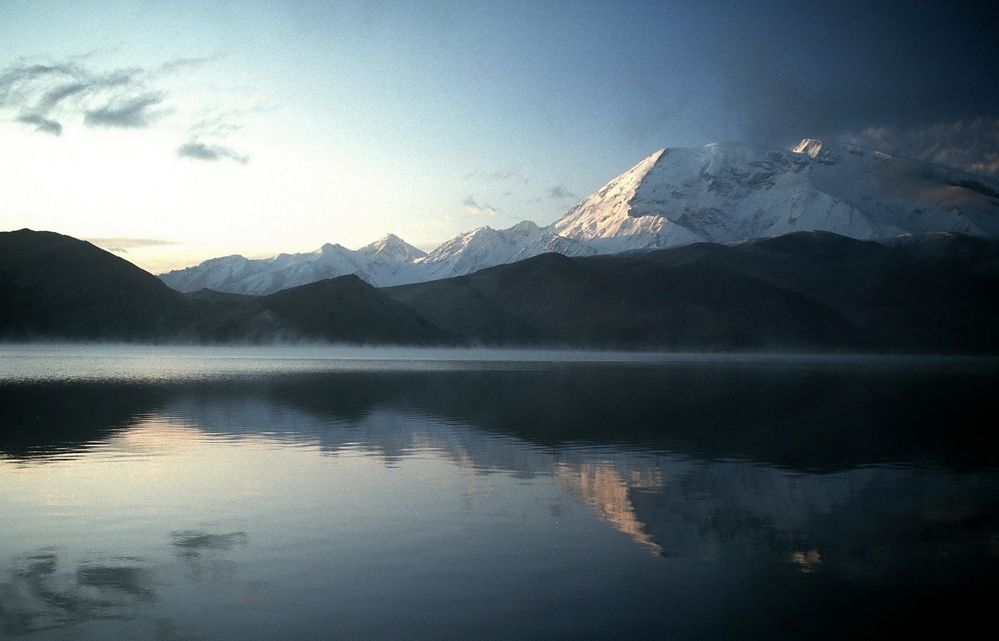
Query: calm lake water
293,493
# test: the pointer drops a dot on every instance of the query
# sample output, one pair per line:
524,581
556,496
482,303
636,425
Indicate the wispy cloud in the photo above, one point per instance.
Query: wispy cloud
473,207
122,245
199,151
559,192
51,98
181,64
515,176
51,95
44,94
968,144
511,176
41,123
128,113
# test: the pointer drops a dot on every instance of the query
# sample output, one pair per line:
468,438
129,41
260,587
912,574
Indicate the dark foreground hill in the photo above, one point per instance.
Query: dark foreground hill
807,290
802,291
55,286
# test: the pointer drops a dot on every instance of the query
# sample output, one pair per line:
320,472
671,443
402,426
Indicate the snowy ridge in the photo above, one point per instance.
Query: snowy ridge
383,262
487,247
722,192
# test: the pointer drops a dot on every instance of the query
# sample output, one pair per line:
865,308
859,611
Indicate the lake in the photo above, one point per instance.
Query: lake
319,493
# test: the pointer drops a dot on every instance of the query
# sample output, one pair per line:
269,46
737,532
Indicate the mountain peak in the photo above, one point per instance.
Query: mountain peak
525,227
733,191
392,247
814,149
327,248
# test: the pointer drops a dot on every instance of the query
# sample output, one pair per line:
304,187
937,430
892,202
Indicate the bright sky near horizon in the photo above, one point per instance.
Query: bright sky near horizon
178,131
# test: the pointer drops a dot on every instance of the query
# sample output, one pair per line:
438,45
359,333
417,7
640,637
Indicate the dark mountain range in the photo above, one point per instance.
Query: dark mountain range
804,291
807,290
342,309
627,302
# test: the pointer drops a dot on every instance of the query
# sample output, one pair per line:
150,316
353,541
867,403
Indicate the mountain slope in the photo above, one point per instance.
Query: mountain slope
55,286
343,309
731,192
808,290
625,302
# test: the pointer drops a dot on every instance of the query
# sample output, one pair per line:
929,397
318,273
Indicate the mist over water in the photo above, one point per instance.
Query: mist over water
179,493
125,361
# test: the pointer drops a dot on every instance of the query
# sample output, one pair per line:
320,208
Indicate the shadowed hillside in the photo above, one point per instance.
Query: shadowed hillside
807,291
55,286
344,309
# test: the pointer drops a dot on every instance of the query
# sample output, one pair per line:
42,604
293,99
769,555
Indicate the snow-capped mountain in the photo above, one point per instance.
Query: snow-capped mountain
487,247
383,262
722,192
392,249
730,192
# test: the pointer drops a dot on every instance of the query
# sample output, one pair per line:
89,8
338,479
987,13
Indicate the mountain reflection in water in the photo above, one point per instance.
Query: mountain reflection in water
557,502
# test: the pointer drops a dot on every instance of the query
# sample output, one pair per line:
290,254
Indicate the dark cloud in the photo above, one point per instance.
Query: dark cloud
41,123
787,70
200,151
19,83
22,71
473,207
40,88
127,113
51,98
558,191
970,144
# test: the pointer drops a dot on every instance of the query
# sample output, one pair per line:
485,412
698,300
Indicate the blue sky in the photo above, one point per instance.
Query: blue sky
260,127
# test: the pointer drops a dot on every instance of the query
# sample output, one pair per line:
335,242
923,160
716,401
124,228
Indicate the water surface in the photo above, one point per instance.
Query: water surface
183,493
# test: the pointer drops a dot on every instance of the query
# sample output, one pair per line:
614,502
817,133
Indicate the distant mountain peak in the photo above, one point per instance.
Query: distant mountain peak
393,247
525,226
